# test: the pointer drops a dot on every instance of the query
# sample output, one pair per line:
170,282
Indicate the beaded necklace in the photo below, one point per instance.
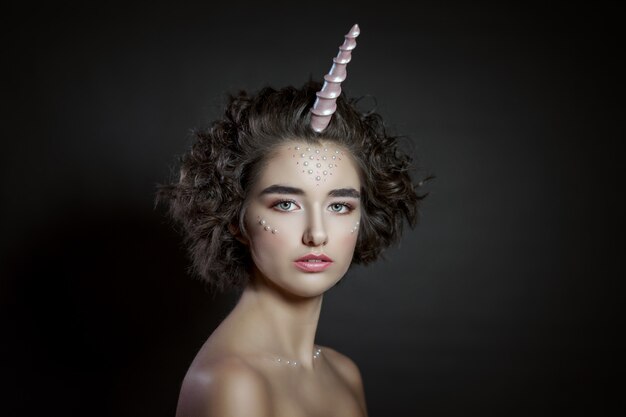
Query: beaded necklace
316,355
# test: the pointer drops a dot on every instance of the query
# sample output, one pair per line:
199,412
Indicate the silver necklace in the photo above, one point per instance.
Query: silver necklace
316,355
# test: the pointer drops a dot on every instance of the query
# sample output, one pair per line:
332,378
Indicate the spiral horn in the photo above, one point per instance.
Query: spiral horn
325,102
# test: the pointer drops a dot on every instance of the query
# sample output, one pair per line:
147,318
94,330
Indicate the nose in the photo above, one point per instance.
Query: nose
315,232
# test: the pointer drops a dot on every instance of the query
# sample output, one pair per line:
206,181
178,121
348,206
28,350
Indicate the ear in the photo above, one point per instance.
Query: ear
234,230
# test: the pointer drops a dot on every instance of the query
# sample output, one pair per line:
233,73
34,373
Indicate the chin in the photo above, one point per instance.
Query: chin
306,285
310,291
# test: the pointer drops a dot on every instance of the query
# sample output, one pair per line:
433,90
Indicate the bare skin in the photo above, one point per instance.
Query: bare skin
237,372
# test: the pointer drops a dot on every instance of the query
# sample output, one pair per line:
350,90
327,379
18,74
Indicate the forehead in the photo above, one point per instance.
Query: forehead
312,167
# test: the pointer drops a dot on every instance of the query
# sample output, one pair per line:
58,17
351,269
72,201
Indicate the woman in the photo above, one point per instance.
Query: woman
278,199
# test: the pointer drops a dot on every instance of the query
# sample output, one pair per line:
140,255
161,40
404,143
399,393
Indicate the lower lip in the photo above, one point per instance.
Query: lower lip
312,266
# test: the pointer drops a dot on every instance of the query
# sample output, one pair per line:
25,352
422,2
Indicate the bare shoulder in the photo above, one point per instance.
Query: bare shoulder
346,367
349,372
224,386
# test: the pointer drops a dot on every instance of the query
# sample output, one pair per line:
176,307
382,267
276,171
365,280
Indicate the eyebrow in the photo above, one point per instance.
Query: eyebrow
284,189
344,192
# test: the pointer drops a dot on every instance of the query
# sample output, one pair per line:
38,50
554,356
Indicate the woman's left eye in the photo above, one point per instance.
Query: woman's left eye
340,208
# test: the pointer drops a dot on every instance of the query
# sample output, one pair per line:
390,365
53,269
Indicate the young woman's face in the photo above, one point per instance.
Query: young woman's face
303,217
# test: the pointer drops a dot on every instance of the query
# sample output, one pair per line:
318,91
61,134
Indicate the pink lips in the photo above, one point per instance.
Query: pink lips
313,263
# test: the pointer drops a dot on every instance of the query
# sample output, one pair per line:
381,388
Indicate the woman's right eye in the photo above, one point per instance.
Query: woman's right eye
285,205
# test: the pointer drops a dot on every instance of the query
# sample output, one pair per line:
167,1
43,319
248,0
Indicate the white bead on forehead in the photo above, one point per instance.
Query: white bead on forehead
314,161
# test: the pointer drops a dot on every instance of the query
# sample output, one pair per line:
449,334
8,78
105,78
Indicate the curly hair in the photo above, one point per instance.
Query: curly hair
209,197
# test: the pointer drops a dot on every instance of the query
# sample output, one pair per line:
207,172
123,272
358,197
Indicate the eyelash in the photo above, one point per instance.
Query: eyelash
348,206
275,205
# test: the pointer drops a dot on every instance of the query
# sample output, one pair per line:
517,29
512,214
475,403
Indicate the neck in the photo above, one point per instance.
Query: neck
281,324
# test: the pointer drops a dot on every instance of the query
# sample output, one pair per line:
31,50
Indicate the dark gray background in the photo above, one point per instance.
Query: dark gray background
502,302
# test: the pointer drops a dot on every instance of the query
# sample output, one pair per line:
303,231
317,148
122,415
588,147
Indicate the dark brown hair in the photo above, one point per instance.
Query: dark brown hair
225,160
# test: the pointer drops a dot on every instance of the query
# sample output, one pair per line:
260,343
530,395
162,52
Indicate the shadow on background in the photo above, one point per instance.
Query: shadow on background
102,317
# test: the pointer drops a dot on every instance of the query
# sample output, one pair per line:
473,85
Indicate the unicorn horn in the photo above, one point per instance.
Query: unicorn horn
325,103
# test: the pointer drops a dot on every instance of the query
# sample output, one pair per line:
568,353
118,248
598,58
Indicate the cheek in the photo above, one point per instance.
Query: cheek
264,248
346,234
346,228
268,237
267,246
263,232
349,241
262,224
277,224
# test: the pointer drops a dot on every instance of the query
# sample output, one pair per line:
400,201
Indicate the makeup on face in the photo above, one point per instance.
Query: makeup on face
286,190
318,162
303,230
266,226
313,263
